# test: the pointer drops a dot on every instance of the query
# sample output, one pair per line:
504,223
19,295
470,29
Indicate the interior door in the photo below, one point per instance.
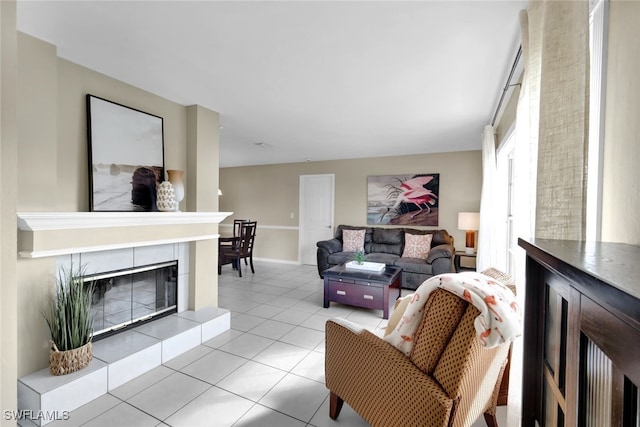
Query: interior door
316,214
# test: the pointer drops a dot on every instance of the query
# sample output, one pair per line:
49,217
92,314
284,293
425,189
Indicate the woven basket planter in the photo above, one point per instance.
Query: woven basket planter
66,362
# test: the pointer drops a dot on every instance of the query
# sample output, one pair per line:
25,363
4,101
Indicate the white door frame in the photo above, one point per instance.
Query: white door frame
301,204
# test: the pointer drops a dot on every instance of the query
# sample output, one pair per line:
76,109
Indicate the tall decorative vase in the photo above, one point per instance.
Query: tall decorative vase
175,178
166,197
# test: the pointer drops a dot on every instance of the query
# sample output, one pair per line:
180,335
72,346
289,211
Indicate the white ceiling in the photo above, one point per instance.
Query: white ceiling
303,80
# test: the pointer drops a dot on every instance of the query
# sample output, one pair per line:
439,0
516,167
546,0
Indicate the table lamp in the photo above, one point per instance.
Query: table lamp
470,222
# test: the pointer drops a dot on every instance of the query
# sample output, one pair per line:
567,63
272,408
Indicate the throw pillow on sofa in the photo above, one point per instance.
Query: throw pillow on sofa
416,245
353,240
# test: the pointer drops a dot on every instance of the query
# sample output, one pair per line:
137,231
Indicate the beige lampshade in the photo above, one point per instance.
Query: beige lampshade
468,220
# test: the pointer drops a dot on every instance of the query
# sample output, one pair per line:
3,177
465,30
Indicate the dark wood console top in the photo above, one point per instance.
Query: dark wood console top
581,334
616,264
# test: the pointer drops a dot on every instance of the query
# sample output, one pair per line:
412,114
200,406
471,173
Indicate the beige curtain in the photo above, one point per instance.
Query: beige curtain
526,149
558,92
552,124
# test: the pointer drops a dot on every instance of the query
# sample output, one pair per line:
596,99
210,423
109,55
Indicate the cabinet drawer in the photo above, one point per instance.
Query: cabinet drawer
358,295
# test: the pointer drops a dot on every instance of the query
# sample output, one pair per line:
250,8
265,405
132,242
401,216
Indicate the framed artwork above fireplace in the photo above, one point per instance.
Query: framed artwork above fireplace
126,156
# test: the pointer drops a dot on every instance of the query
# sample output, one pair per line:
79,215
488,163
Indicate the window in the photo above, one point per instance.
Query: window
598,20
505,179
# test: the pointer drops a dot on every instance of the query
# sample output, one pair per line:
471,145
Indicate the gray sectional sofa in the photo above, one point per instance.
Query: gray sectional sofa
386,245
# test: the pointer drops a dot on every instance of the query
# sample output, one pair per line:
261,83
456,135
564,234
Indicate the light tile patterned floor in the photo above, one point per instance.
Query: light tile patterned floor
267,371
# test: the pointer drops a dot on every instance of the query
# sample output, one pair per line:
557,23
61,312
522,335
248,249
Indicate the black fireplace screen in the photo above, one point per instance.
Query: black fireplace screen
123,298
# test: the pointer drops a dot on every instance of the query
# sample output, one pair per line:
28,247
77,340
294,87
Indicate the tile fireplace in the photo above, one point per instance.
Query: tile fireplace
102,242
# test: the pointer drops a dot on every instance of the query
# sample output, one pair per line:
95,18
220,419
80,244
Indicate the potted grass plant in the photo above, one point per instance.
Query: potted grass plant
70,322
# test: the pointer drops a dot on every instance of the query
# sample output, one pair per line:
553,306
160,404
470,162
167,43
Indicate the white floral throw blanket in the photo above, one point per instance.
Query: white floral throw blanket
500,318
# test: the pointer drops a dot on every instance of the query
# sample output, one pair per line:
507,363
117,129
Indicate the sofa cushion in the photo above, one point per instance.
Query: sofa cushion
441,237
339,258
387,240
412,280
388,236
388,259
416,245
414,265
440,251
353,240
331,245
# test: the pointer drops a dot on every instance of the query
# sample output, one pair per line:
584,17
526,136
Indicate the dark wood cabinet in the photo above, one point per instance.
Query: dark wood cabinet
581,362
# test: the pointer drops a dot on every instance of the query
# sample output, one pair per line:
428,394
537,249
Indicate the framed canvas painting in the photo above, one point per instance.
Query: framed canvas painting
126,156
403,199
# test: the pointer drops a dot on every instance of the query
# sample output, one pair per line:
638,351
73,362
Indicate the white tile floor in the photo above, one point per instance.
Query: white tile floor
268,370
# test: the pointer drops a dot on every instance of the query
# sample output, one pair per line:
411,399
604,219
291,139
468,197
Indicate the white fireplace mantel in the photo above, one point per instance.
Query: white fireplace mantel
43,234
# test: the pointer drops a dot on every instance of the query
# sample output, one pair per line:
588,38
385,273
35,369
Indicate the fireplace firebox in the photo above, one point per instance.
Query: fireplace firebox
126,298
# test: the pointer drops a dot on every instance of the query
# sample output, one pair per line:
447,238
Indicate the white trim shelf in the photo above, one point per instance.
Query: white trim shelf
34,221
46,234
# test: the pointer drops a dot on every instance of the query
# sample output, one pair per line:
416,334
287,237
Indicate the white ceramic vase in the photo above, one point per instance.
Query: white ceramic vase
166,197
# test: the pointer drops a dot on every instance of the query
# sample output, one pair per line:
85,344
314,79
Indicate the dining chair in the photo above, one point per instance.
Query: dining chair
241,248
237,223
229,241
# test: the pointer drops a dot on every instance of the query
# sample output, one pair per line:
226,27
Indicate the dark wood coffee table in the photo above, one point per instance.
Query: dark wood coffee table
361,288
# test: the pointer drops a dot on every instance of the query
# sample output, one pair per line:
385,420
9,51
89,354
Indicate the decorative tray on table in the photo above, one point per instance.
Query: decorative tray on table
371,267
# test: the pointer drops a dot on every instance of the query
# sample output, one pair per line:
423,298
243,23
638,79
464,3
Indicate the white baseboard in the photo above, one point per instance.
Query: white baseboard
278,261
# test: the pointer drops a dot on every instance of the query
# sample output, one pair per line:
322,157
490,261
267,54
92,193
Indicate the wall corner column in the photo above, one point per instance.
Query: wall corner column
203,142
8,215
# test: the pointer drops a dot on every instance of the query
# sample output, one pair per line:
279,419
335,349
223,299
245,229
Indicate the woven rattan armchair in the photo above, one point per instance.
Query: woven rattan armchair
448,380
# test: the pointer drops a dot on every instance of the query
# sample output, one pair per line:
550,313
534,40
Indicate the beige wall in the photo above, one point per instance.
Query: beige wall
621,175
37,125
8,223
269,194
74,82
52,126
53,168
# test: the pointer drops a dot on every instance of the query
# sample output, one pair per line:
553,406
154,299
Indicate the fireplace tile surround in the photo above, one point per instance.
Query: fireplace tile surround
118,259
108,241
119,359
